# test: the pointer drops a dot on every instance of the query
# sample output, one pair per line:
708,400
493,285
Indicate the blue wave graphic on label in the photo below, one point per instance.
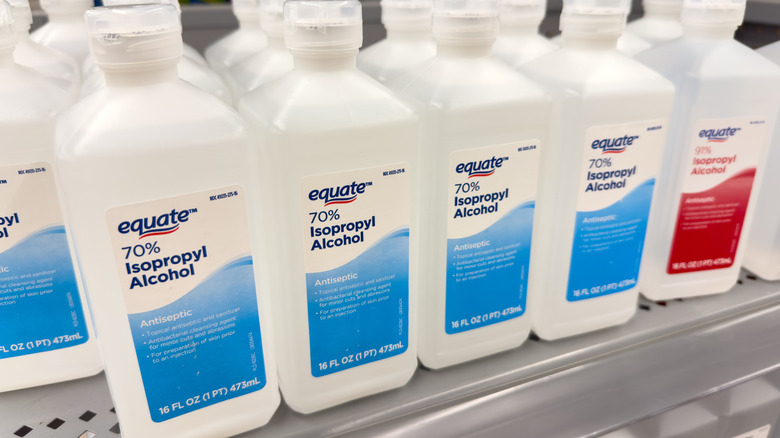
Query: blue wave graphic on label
40,307
359,312
487,273
183,347
607,249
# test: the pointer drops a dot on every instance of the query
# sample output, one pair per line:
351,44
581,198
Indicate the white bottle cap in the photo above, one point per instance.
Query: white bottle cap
713,12
593,17
522,12
323,25
22,14
272,16
7,34
407,14
175,3
663,6
459,20
66,6
245,9
123,37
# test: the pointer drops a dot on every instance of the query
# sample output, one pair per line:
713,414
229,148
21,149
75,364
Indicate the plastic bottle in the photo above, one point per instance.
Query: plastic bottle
270,63
42,59
610,122
190,71
762,254
162,230
340,154
722,125
660,23
519,40
240,44
408,42
631,44
65,29
483,127
46,335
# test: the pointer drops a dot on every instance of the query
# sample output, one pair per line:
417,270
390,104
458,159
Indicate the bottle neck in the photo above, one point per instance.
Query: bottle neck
725,32
246,23
22,34
662,12
166,71
324,60
580,41
519,29
66,16
276,40
464,48
396,34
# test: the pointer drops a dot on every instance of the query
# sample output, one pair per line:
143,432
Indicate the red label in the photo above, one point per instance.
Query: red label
709,224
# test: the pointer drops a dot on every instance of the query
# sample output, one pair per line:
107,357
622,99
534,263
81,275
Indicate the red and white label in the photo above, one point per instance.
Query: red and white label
719,175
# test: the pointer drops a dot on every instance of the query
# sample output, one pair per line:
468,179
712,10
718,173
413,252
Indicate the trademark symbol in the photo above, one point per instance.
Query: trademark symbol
193,210
370,183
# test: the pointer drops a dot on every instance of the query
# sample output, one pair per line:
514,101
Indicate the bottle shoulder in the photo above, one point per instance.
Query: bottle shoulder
26,94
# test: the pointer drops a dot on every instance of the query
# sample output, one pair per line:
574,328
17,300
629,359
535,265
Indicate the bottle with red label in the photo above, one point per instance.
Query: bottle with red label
722,123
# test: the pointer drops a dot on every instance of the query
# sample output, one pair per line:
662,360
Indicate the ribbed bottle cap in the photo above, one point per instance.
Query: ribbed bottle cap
663,6
66,6
713,12
22,14
7,34
245,9
272,16
522,12
126,36
323,24
594,16
175,3
458,20
407,14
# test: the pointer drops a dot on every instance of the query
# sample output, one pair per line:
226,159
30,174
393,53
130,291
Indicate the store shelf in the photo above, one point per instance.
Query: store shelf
669,354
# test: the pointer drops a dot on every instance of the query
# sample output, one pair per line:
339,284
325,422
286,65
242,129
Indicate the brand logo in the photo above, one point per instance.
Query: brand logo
480,168
165,223
615,145
718,135
339,194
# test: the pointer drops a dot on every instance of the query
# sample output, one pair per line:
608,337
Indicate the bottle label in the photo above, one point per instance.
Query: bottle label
491,214
616,187
356,257
719,173
187,277
40,305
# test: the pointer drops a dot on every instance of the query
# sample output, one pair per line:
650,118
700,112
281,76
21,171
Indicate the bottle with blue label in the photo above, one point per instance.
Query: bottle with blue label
240,44
45,331
161,195
519,40
598,173
339,153
483,129
722,125
64,30
408,42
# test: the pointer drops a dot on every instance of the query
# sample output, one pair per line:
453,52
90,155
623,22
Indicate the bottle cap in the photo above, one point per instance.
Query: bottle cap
272,16
407,14
713,12
62,7
245,9
138,35
594,17
458,20
522,12
323,25
7,34
174,3
22,14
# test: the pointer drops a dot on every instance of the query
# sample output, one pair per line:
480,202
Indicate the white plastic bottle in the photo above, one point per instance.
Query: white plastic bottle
660,23
190,71
519,40
240,44
65,29
408,42
609,127
45,330
339,157
161,196
723,120
631,44
483,127
42,59
271,62
762,254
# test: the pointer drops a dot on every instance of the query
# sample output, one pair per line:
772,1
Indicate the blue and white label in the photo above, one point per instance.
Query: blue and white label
40,305
356,256
491,213
188,282
619,168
